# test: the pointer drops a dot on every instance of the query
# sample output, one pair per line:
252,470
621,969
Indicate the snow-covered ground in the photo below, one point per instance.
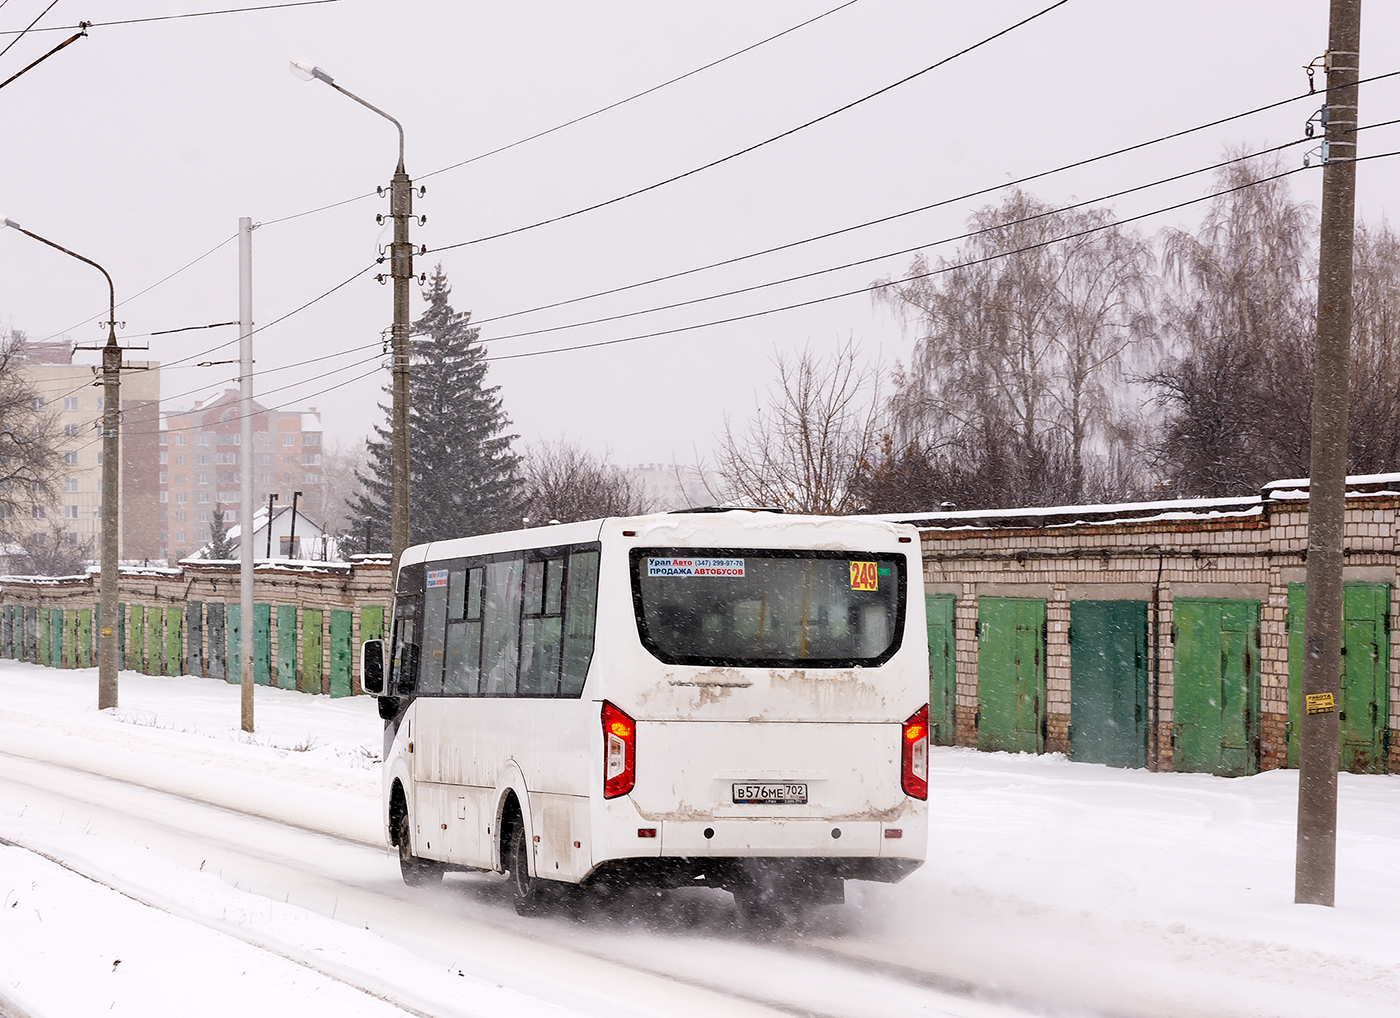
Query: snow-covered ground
157,861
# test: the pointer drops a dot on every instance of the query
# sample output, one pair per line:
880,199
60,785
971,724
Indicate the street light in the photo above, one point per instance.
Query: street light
111,458
401,264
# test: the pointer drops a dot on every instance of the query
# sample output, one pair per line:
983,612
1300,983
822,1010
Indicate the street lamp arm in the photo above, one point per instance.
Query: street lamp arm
376,109
111,290
107,603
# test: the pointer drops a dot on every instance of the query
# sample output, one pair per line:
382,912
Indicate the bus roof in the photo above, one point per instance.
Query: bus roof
738,527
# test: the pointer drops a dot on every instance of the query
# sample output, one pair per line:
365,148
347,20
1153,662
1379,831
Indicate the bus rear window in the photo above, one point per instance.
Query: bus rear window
768,608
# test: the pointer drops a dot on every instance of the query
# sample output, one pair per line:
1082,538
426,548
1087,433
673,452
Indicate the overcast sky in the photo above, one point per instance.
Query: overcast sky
141,146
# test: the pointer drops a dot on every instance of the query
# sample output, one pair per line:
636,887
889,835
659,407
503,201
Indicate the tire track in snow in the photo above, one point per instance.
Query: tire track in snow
220,926
340,974
855,968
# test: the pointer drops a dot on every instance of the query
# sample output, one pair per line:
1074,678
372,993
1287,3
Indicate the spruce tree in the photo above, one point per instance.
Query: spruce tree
219,546
463,473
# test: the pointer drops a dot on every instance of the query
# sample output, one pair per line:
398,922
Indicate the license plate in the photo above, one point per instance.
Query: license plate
781,792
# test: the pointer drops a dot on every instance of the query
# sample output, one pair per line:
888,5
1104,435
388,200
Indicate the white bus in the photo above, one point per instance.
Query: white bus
732,699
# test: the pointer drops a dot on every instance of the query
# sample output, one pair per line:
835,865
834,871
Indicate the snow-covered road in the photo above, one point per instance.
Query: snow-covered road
177,865
643,964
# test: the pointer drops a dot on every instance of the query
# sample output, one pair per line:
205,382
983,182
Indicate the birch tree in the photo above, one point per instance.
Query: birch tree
805,444
1023,343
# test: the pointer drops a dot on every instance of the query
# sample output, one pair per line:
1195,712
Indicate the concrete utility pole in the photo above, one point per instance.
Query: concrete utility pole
401,265
245,494
111,479
1316,875
401,270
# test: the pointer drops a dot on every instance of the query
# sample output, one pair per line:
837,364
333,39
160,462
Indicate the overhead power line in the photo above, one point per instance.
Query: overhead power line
297,310
579,119
266,409
819,300
916,276
902,251
267,392
26,29
179,17
759,144
165,279
980,192
282,318
644,92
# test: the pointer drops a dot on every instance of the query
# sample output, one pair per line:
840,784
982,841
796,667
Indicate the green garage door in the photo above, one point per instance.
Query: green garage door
287,646
1010,673
941,672
1108,682
1364,707
342,621
1216,680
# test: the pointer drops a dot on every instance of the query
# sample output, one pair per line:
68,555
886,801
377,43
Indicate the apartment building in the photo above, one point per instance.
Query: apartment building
202,460
72,393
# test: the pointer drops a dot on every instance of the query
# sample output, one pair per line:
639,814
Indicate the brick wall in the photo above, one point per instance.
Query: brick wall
317,586
1242,548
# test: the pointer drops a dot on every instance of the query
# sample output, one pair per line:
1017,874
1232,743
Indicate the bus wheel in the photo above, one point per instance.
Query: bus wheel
529,894
416,872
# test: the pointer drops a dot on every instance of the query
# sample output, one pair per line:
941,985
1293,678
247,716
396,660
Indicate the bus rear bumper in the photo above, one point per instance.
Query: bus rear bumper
905,838
820,877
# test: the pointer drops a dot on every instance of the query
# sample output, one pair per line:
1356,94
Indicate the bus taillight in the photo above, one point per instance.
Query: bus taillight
619,752
914,768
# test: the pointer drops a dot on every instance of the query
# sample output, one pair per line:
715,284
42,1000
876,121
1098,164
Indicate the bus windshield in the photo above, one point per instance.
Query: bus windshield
768,608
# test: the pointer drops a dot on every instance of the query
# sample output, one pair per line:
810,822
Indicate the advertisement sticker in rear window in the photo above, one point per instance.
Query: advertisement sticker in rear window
695,567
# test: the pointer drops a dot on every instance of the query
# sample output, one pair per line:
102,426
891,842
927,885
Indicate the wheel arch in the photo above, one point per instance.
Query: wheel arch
511,789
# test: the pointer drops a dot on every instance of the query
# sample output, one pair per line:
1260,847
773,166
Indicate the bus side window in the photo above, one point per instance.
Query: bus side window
500,635
464,635
580,609
541,629
434,624
405,675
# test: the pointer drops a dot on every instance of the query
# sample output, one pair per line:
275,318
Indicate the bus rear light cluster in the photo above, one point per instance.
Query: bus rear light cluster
914,763
619,752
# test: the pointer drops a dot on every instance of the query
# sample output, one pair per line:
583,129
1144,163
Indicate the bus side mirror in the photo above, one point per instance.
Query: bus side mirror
372,666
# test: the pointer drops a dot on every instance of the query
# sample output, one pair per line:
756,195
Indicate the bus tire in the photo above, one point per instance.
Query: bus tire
416,872
530,895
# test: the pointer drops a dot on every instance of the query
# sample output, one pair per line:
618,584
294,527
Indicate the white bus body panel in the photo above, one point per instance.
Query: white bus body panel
699,729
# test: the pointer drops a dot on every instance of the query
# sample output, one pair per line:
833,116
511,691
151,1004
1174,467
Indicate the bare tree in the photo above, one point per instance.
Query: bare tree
52,550
1016,391
1238,314
1375,352
31,446
341,464
565,483
804,449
